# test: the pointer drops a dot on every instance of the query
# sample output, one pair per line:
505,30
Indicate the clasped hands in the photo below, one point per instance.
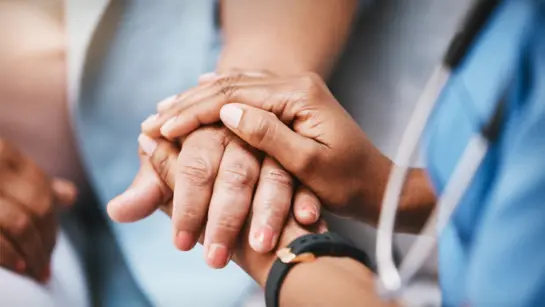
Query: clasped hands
228,158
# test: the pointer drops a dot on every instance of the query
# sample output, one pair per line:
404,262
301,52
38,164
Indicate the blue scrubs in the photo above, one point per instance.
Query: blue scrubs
492,252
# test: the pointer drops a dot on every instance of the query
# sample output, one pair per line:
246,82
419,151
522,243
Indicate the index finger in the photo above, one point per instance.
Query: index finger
283,97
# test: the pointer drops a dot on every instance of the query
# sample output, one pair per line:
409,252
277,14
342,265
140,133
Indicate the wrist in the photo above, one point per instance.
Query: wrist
256,265
417,201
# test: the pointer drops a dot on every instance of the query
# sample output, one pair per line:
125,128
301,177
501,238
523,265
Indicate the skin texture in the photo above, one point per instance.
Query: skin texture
221,180
320,132
324,282
334,157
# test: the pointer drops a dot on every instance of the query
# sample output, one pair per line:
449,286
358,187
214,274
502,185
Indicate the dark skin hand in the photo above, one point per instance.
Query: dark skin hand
28,225
215,168
327,281
297,121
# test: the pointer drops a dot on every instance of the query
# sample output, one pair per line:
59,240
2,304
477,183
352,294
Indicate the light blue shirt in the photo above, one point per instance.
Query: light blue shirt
156,49
493,250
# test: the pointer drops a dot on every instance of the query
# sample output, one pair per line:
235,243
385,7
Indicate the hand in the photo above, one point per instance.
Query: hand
216,191
28,226
326,150
257,265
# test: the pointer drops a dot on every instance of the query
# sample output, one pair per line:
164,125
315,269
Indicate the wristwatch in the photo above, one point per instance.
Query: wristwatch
306,249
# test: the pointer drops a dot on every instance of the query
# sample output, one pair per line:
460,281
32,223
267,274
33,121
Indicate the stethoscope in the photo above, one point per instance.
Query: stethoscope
391,280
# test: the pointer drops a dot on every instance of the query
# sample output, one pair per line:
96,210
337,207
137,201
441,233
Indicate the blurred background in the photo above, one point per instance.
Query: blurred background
394,46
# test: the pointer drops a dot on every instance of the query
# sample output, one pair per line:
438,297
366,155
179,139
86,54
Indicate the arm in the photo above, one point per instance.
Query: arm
416,203
327,281
290,37
284,36
330,282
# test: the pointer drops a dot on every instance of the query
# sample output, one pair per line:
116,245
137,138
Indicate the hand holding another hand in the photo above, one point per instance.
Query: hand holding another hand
298,122
220,180
163,156
28,223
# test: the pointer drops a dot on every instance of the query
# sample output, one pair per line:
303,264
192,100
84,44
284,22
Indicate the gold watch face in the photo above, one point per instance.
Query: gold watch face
286,256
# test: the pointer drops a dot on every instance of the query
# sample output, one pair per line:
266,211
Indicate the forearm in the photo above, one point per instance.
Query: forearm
284,36
330,282
416,203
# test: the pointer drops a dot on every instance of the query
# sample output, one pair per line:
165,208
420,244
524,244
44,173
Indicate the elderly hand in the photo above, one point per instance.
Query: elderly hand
219,178
324,148
28,225
163,159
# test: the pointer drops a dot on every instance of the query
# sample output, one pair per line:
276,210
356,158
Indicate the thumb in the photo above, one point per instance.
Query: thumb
141,199
65,191
264,131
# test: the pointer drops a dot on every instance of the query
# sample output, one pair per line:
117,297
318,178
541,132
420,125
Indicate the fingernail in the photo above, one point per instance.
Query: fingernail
263,239
309,212
20,267
148,144
167,103
207,77
231,115
167,126
150,120
184,240
218,255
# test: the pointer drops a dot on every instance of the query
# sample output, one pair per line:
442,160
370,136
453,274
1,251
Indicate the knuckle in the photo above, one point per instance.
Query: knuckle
21,226
277,176
262,132
196,170
187,218
162,166
237,177
275,212
213,136
226,87
44,206
229,223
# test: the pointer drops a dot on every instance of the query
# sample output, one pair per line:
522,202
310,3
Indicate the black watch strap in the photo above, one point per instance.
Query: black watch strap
305,249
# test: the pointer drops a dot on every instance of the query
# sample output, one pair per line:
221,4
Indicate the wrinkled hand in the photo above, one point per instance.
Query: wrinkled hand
219,178
297,121
164,160
28,225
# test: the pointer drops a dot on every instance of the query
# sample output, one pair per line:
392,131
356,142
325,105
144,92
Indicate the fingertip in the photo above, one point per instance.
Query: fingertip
306,213
305,218
217,255
65,191
184,240
177,127
231,114
20,266
306,206
166,103
131,206
147,144
46,274
149,125
263,239
114,209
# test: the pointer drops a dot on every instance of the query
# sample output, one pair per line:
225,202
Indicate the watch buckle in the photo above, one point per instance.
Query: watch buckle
287,256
